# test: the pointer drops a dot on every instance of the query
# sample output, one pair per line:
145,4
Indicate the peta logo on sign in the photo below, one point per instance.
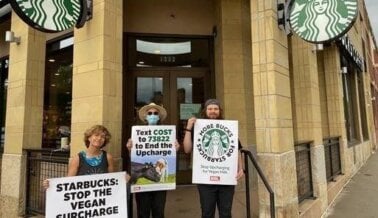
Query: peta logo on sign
51,15
320,21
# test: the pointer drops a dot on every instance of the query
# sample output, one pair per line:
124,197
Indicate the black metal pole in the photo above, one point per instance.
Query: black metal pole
247,197
265,181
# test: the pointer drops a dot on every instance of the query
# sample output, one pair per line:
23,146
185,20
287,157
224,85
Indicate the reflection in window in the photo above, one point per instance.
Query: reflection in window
361,94
3,97
174,48
168,52
58,88
149,89
350,107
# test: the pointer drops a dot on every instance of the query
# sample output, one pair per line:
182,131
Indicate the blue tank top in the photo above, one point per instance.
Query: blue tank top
92,167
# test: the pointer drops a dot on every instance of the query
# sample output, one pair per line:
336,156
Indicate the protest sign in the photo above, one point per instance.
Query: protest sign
153,158
215,152
99,195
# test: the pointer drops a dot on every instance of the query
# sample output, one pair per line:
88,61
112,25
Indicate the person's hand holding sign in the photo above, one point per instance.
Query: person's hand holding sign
240,174
46,184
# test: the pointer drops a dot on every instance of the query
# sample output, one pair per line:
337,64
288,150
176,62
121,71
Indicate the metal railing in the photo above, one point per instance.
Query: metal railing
42,164
304,171
249,156
332,157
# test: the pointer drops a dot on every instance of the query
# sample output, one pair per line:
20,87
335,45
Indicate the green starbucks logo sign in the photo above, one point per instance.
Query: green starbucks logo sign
319,21
50,15
215,145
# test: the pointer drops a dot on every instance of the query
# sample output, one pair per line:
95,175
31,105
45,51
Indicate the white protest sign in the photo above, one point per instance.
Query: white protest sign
153,158
99,195
215,152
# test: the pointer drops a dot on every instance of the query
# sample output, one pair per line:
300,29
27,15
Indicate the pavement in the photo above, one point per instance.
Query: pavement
184,203
359,198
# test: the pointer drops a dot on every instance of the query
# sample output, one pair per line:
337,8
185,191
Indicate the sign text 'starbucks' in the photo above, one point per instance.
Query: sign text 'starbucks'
215,151
215,144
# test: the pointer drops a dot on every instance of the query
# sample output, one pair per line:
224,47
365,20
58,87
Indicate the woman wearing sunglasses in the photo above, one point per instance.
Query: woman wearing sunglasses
151,202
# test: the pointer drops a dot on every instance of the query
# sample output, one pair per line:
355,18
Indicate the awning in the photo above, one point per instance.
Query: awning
5,8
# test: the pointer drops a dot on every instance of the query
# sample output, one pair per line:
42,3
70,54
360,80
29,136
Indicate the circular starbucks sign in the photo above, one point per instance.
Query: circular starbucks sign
215,144
318,21
49,15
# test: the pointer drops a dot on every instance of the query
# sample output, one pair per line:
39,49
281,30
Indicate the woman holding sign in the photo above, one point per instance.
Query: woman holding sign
213,195
151,202
94,160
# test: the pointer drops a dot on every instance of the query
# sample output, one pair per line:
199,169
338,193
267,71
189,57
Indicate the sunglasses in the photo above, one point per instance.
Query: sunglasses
154,113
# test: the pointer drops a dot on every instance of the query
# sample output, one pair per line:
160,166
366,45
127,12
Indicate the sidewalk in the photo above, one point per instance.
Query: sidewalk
184,203
359,198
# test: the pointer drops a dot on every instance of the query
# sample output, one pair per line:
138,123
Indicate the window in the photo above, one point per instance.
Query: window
150,51
350,102
58,92
361,95
3,97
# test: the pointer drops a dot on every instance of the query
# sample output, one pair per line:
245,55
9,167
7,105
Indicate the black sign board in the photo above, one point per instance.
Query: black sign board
347,47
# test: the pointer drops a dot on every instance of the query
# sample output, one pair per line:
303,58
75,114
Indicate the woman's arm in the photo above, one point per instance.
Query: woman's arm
73,166
110,163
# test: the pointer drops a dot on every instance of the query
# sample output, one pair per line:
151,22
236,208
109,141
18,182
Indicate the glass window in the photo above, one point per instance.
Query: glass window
350,104
167,52
361,94
58,92
3,97
148,90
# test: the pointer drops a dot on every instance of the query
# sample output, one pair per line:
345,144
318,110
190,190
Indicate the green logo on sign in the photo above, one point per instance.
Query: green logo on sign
49,15
215,143
322,20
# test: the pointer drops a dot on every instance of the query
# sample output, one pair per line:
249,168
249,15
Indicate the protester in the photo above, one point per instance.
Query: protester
212,196
94,160
153,202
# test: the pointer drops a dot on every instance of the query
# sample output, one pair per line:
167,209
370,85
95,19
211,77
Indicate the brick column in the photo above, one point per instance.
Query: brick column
307,111
273,112
23,127
233,74
233,66
97,76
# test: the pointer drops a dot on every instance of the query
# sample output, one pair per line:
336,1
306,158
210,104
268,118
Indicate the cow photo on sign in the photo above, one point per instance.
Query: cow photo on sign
215,152
153,158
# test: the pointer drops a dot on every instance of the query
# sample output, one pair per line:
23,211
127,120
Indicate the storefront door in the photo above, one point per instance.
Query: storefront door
181,92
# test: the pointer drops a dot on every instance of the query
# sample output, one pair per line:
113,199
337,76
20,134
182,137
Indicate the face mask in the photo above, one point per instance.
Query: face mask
152,119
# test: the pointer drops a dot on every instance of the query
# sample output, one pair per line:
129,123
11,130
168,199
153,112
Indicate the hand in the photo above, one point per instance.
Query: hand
46,184
177,146
127,177
190,124
240,174
129,144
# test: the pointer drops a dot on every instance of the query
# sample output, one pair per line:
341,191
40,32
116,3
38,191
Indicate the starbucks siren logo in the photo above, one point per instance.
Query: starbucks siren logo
319,21
49,15
215,145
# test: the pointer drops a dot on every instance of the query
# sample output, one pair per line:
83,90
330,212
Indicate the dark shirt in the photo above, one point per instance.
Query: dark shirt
86,169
